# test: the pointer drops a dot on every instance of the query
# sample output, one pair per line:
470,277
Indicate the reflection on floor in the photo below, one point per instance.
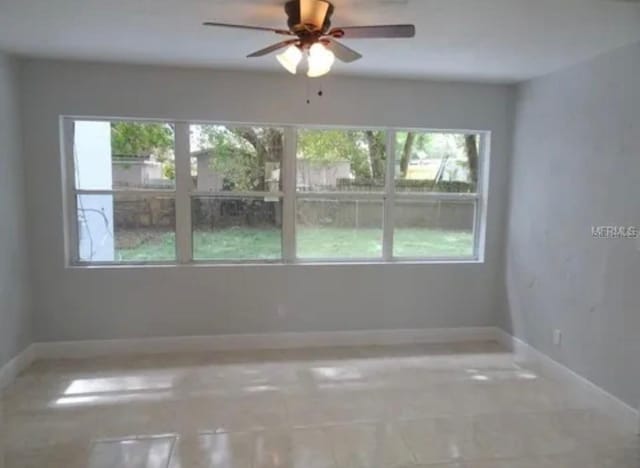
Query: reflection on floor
441,406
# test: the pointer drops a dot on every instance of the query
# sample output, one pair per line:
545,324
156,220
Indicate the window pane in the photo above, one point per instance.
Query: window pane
338,228
341,160
436,162
433,229
236,228
124,228
123,155
236,159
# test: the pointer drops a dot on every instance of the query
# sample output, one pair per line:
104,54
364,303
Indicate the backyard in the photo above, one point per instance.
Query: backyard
264,244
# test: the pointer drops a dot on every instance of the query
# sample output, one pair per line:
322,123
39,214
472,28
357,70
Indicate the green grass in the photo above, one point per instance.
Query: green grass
151,248
237,244
338,243
316,243
412,242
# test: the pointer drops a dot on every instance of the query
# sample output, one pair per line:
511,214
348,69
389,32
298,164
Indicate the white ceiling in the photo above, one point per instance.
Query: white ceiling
483,40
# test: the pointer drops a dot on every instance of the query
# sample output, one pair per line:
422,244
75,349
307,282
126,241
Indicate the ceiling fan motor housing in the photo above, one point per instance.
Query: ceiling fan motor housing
303,26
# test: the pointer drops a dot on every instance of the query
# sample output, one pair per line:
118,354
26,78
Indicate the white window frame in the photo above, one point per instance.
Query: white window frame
72,193
478,197
381,196
186,246
184,194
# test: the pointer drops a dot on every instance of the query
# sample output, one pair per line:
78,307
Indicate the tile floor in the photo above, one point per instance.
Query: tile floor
439,406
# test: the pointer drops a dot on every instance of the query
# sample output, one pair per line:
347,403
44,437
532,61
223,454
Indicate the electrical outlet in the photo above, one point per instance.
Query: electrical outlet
557,337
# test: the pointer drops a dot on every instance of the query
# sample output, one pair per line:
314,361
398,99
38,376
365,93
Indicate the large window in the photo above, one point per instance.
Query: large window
174,192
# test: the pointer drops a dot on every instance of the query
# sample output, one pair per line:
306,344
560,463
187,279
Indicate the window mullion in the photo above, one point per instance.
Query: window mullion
389,199
289,198
183,195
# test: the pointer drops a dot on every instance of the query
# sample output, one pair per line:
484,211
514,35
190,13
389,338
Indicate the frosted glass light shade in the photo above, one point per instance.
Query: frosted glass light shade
320,60
290,59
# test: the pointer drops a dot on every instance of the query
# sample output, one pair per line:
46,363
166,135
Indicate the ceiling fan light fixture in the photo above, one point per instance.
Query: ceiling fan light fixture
290,59
320,60
310,35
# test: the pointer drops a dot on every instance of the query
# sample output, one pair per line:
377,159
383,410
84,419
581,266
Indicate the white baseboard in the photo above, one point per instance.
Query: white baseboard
20,362
95,348
603,400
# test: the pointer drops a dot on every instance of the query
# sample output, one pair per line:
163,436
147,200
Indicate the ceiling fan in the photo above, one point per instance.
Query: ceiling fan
311,34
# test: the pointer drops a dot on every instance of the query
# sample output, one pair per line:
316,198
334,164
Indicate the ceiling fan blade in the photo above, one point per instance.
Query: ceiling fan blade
313,12
244,26
272,48
365,32
342,52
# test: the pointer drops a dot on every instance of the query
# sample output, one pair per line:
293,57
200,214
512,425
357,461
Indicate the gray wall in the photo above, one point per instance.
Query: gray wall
76,304
577,164
15,320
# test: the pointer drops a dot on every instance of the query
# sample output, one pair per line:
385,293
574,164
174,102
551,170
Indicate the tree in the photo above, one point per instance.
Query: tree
138,140
365,150
407,151
441,146
327,146
241,153
471,148
377,154
141,139
268,145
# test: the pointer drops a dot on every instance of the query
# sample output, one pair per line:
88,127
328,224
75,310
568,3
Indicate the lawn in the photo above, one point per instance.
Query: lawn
317,243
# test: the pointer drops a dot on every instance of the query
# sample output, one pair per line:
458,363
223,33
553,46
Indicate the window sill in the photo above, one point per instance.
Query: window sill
299,263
